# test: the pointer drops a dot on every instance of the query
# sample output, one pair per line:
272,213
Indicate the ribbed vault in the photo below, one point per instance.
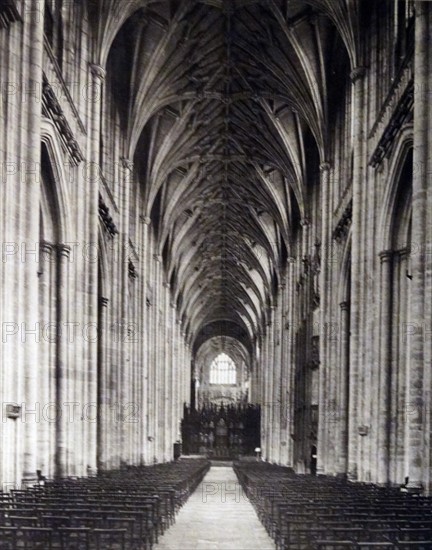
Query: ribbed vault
227,122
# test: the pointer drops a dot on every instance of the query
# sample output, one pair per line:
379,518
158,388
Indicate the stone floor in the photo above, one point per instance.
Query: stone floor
217,516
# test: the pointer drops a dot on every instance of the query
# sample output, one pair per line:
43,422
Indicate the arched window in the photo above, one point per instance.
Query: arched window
223,370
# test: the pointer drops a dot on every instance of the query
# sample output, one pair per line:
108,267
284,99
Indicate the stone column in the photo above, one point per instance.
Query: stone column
65,443
162,365
417,318
400,438
174,394
188,362
290,390
324,332
277,381
158,380
145,322
284,379
344,381
166,384
103,427
128,295
265,397
253,377
256,398
270,377
184,379
383,426
47,374
179,368
89,370
357,78
256,381
23,268
152,413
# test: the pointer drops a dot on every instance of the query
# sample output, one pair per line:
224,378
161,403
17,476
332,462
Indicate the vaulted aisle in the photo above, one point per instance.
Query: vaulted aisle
217,516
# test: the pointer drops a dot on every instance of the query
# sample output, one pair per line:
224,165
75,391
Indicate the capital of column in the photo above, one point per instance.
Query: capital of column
63,250
166,285
357,73
344,306
386,256
157,258
146,220
269,320
46,247
324,167
305,222
403,252
97,71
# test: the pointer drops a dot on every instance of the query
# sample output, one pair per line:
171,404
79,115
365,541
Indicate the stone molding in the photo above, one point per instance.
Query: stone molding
107,220
51,109
342,228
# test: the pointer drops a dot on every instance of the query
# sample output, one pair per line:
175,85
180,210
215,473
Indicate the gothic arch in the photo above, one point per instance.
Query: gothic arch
395,295
55,238
396,165
58,185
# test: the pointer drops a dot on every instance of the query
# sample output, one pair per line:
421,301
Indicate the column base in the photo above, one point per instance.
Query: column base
413,487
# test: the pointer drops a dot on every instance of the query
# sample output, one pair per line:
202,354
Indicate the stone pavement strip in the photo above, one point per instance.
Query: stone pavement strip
217,516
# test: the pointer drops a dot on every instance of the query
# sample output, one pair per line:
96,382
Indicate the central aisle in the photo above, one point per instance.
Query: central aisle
217,516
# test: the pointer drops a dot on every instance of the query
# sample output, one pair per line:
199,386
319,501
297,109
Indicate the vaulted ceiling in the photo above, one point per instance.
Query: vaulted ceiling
226,110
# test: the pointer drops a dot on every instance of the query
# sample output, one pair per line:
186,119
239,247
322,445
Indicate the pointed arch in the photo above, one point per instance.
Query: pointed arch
397,161
395,296
58,191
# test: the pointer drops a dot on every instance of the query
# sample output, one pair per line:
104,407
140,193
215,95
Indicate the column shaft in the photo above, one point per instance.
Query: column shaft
356,269
421,174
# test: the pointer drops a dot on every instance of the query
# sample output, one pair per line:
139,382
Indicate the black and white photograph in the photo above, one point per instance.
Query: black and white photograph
216,274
